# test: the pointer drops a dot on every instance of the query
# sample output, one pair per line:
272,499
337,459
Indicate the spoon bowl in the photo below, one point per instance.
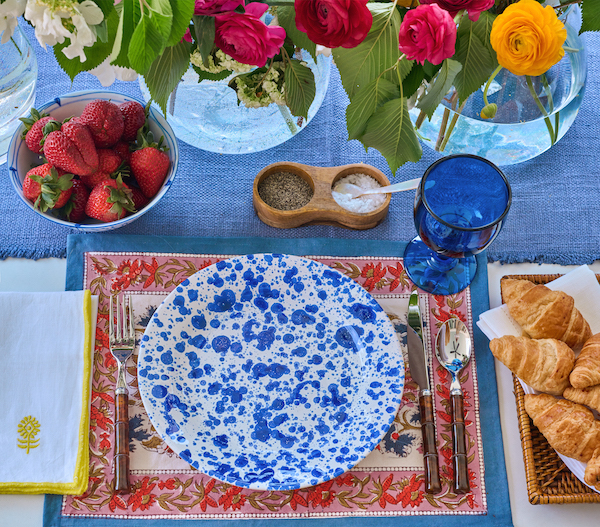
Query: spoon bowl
355,191
453,349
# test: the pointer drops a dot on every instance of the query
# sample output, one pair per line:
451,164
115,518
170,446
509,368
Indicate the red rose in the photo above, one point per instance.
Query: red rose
245,38
427,33
214,7
473,7
334,23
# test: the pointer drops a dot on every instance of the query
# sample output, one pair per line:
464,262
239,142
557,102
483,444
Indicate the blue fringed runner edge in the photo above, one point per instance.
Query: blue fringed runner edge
495,470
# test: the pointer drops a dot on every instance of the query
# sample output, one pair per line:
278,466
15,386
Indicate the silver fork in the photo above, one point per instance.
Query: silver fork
122,342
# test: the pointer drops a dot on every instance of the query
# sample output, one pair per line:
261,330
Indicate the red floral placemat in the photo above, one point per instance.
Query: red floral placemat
389,482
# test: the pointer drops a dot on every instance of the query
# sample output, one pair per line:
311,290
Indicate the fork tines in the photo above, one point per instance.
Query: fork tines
125,326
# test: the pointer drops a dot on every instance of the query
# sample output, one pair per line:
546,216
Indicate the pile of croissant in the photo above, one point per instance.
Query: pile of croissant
545,359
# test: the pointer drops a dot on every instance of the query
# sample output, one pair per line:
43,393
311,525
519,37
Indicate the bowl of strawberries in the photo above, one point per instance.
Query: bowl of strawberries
93,160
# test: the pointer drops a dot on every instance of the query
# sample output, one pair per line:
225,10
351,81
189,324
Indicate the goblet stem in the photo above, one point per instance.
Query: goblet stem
441,263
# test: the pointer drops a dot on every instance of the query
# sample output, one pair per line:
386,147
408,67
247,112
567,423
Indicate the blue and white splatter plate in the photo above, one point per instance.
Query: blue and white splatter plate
271,372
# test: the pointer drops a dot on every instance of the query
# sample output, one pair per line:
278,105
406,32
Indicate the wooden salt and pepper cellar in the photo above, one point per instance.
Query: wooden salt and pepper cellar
322,209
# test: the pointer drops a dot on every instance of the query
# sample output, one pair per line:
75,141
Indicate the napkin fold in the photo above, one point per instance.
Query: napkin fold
45,368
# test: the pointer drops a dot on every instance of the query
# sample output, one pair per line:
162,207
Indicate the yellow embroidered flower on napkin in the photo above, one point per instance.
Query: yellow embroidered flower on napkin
45,367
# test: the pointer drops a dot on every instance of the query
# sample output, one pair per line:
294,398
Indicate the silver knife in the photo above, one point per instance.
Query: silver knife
419,371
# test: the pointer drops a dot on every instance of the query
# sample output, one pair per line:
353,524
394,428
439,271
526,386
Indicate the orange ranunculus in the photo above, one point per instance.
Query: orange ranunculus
528,38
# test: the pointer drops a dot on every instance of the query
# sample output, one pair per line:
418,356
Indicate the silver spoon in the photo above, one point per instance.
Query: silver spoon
355,191
453,350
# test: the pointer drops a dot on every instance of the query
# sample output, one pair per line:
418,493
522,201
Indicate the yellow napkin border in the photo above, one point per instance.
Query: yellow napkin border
82,465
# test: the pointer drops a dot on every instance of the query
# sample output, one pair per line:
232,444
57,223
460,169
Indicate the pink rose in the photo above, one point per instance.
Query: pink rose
245,38
334,23
214,7
427,33
473,7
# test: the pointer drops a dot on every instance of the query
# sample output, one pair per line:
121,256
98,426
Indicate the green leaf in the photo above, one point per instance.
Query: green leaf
146,44
182,14
379,51
129,12
390,131
299,87
413,80
365,102
204,28
483,28
286,17
472,53
161,14
443,82
211,76
166,72
95,54
590,10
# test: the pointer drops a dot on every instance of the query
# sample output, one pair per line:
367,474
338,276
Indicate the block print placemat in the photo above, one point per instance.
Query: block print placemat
388,482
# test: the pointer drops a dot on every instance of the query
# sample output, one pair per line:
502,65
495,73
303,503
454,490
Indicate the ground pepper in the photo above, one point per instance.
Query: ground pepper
285,191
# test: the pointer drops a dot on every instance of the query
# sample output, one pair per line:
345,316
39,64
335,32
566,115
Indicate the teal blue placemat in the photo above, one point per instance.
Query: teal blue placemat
495,471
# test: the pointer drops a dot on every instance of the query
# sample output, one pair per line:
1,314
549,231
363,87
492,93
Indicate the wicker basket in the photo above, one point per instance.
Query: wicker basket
548,478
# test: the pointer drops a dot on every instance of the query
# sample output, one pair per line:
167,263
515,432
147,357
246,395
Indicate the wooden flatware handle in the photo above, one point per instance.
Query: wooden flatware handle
430,454
459,445
121,461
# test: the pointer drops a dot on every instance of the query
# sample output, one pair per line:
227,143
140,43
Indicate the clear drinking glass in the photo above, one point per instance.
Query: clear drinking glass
18,78
460,206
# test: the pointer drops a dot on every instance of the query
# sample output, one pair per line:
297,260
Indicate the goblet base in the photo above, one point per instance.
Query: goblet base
435,273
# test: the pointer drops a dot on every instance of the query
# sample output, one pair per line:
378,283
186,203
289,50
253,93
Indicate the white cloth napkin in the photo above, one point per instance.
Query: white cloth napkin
582,285
45,367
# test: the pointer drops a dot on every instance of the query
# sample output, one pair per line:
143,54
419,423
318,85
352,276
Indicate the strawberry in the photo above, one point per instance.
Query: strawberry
34,126
110,200
149,164
75,207
70,147
134,117
105,122
139,200
47,187
108,162
122,149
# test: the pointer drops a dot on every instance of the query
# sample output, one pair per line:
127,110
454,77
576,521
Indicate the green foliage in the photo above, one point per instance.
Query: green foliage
287,20
182,14
299,87
378,52
390,131
443,82
166,71
365,103
204,29
590,10
475,57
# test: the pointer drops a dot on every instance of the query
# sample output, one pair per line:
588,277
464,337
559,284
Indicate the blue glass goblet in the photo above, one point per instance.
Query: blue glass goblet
460,206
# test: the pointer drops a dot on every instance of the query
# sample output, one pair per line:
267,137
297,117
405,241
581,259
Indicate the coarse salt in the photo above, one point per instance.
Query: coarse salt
362,204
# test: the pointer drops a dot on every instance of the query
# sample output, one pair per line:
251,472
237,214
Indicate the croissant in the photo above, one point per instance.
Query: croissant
589,396
592,471
587,366
569,428
544,313
544,364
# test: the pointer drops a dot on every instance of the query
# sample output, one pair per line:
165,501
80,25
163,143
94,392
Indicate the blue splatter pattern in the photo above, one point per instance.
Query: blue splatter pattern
271,372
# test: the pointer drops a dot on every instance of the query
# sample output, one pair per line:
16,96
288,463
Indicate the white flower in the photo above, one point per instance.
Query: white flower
107,74
54,21
10,10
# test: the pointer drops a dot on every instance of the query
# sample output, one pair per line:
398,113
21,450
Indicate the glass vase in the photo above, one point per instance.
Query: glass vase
519,131
18,79
207,115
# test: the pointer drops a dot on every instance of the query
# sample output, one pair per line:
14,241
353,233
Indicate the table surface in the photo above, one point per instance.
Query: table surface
49,275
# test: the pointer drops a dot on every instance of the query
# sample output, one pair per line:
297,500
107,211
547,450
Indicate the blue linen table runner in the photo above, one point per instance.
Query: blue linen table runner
555,215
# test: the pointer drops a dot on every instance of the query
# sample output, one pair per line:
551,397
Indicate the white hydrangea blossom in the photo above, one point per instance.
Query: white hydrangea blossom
107,73
253,96
55,20
10,11
219,62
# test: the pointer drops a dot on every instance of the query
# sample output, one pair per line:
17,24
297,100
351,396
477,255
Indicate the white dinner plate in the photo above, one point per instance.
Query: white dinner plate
271,372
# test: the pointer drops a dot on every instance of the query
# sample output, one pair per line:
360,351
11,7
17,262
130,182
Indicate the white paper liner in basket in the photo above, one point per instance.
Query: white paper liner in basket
582,285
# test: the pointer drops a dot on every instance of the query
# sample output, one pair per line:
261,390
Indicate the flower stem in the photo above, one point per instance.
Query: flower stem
542,109
488,83
551,105
452,125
